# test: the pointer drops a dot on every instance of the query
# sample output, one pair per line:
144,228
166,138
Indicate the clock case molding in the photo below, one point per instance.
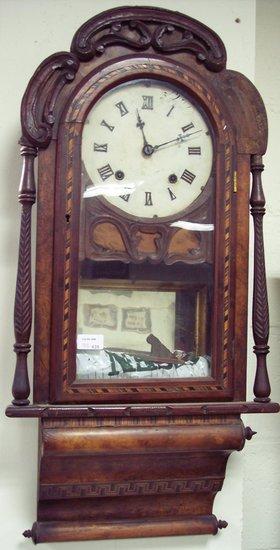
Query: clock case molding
133,460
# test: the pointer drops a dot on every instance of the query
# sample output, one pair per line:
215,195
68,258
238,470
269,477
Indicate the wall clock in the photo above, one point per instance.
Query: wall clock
145,145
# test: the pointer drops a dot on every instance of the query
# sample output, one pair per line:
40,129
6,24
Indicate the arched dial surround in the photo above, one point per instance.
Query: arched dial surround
147,149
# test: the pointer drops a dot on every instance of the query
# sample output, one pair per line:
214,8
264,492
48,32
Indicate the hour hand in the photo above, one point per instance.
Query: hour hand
147,148
140,124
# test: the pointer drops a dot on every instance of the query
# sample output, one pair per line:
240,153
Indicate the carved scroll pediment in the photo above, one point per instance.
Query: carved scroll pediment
39,100
142,28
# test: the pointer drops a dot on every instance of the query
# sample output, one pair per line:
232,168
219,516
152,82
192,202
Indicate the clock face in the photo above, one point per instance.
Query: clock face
146,149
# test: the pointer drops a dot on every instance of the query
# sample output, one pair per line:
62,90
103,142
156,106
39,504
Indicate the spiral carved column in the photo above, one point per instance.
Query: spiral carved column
23,298
260,301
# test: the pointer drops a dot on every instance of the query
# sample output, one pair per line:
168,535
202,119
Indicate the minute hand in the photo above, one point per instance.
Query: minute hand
178,139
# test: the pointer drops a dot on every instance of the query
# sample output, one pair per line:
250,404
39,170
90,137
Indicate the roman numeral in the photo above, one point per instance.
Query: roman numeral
148,102
187,176
194,150
102,148
125,197
172,196
187,127
148,198
122,108
105,172
169,112
104,123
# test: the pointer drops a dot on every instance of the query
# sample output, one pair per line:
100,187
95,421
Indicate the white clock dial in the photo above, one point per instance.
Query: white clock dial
147,149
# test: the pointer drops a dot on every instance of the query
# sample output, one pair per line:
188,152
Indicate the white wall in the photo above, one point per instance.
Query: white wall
261,484
31,30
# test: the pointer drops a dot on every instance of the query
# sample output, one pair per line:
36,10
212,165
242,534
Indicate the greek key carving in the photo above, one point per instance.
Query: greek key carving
131,488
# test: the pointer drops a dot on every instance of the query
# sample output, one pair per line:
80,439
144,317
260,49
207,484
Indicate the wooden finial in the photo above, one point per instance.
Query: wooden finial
222,524
249,433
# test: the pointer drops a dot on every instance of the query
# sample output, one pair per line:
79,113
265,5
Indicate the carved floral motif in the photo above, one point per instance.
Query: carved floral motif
134,242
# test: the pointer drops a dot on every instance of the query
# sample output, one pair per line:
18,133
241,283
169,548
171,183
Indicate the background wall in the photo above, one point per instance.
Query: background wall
31,30
261,483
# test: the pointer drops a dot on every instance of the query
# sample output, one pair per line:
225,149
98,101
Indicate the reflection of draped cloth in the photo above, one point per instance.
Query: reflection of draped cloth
106,363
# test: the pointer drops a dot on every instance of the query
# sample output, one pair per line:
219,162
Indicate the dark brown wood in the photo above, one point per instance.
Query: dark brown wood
23,299
248,115
44,272
104,476
128,239
242,176
253,139
260,301
249,433
137,457
64,387
38,117
59,531
200,409
141,28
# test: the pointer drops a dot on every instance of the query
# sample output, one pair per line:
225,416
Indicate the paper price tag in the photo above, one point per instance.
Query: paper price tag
90,341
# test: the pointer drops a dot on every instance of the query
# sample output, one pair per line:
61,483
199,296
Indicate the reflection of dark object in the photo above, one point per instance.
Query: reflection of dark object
136,363
186,319
192,301
159,357
157,348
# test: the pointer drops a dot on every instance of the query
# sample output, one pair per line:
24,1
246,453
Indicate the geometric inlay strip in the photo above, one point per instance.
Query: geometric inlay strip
131,488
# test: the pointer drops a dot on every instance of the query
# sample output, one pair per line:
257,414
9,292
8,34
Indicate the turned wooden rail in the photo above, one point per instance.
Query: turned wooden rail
260,301
23,298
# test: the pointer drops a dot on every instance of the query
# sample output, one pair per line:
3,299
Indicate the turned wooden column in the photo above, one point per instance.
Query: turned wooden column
260,301
23,298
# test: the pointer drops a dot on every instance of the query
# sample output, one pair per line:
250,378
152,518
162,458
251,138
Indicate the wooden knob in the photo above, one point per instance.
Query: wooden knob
249,433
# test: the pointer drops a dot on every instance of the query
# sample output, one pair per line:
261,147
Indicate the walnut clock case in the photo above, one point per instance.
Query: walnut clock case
145,146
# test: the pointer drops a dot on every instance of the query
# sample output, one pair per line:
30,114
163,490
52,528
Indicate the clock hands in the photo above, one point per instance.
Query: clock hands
147,148
178,139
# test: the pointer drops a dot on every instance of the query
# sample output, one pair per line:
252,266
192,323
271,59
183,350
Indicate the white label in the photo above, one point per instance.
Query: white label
90,341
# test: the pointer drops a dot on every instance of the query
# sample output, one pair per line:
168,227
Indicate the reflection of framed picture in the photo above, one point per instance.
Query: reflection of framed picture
98,315
137,319
127,312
